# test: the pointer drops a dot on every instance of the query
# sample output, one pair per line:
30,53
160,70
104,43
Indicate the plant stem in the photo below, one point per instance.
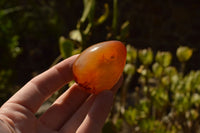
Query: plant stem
115,17
124,92
182,69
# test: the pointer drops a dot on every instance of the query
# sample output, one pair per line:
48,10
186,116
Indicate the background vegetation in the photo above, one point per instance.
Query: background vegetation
161,90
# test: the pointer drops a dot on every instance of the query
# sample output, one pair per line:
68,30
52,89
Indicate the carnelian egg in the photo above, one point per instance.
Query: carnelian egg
100,66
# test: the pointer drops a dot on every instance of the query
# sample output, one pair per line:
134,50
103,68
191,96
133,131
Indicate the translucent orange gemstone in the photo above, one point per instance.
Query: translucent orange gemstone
100,66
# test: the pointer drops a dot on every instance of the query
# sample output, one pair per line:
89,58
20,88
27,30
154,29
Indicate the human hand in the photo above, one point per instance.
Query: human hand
74,111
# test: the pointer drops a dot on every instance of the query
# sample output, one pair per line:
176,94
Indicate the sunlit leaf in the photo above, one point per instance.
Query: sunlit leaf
194,114
163,58
104,16
184,53
131,116
157,69
165,80
170,71
129,69
77,51
87,29
75,35
131,54
88,8
195,99
146,56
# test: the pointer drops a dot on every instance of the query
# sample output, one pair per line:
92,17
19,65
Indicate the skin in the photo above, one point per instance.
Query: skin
75,111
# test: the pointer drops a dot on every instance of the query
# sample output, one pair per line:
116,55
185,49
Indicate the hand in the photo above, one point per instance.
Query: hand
74,111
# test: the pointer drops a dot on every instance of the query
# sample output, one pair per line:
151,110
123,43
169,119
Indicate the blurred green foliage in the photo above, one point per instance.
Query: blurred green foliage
9,50
165,100
161,89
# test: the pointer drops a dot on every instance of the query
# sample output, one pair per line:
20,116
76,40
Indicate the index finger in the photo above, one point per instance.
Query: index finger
36,91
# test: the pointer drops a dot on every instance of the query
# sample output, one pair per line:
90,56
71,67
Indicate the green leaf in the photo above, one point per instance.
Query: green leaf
75,35
129,69
184,53
92,12
15,50
159,96
151,125
164,58
157,69
146,56
7,11
87,29
77,51
165,80
170,71
104,16
131,54
88,9
195,99
124,30
181,102
119,124
130,116
194,114
143,108
66,47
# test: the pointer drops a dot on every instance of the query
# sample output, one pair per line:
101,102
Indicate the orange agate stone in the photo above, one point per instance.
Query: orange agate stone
100,66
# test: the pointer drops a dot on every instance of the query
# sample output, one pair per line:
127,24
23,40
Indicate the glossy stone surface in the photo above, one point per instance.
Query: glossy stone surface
100,66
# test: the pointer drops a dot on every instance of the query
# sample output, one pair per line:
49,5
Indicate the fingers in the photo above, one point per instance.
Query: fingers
99,104
75,121
5,127
64,107
35,92
97,114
